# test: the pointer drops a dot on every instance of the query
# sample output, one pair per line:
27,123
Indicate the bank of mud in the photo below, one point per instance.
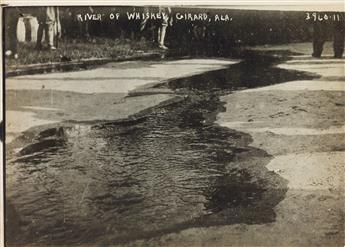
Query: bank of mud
171,169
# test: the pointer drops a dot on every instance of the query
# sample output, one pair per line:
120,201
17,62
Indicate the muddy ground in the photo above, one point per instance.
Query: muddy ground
247,152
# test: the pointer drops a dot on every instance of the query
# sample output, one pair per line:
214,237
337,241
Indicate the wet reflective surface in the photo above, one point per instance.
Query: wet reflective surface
171,169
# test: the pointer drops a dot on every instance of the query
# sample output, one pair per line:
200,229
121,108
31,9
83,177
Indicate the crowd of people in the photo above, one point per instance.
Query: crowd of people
48,25
54,22
50,28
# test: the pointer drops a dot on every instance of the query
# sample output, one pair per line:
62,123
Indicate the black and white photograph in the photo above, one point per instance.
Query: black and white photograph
173,125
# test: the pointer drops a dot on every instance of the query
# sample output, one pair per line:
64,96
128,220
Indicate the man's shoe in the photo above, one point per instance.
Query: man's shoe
8,53
163,47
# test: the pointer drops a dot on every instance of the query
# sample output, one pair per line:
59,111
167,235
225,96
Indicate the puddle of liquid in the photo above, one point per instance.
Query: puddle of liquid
255,70
113,183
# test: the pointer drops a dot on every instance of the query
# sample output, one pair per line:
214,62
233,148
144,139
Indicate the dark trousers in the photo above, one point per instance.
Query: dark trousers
48,30
11,20
338,39
322,30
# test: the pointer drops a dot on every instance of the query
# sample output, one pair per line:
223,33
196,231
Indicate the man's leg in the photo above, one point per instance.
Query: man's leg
319,37
50,35
317,47
13,43
39,36
338,39
159,35
162,33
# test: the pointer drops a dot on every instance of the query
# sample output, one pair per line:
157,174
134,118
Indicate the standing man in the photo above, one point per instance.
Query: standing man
321,32
165,21
161,24
49,21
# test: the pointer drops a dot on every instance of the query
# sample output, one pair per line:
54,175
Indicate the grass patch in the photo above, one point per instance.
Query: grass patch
76,49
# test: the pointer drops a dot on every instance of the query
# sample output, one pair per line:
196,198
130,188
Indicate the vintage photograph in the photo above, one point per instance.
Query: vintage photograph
174,125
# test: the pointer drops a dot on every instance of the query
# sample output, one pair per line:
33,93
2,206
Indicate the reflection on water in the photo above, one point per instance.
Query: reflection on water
112,183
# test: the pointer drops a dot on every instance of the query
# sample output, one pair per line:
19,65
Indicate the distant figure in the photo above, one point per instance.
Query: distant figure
161,24
49,22
166,19
320,36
